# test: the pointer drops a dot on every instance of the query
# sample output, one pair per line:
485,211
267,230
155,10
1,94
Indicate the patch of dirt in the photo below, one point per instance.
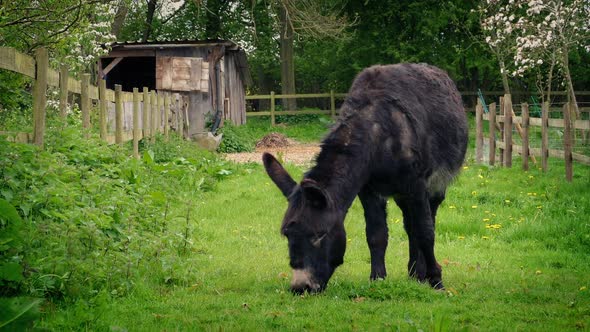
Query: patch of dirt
284,149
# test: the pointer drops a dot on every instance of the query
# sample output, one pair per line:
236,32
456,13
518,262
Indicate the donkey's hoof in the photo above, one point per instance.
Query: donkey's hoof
436,284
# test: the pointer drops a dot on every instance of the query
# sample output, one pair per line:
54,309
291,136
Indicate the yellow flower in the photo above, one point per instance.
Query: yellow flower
507,201
474,193
486,219
480,176
461,237
538,272
452,207
539,207
485,237
474,206
583,288
465,167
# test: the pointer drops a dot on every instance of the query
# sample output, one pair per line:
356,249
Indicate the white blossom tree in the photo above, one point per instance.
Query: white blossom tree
538,35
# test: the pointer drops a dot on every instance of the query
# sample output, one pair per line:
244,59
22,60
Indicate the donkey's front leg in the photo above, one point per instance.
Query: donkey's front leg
376,230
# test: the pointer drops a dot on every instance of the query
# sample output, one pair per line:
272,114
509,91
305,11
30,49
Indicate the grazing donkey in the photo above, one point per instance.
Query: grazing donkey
402,132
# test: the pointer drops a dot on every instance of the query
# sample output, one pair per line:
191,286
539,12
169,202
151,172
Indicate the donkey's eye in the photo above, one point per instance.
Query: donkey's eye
317,241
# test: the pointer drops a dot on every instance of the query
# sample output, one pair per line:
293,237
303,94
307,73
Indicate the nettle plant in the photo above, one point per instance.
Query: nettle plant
536,35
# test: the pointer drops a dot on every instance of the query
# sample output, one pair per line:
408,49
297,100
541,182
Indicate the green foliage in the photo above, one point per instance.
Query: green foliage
82,218
18,313
235,139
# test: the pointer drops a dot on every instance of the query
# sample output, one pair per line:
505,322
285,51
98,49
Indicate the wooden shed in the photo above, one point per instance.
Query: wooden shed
209,76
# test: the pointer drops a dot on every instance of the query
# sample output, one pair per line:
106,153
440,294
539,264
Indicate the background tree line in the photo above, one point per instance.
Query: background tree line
292,45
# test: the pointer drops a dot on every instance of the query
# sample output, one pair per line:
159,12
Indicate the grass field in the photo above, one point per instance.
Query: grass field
514,247
182,241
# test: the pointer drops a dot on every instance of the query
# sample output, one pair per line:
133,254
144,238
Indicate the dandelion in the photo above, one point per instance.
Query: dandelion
461,237
485,237
531,177
474,193
539,207
480,176
452,207
474,206
349,240
506,201
486,219
538,272
583,288
465,167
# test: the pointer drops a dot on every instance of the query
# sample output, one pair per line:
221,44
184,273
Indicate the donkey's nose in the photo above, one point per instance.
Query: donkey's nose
303,281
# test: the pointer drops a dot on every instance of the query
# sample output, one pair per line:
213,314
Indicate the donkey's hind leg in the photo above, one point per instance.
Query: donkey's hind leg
419,225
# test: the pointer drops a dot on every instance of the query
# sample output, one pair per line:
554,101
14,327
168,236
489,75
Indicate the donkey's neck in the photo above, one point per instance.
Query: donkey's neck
342,172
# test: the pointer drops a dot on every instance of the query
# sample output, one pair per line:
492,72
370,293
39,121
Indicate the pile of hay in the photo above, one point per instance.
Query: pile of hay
273,140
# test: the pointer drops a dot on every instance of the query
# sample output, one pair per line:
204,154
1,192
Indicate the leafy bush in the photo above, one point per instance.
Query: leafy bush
82,218
235,139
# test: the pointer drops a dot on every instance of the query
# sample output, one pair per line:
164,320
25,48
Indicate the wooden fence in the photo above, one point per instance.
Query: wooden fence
502,144
133,115
333,111
273,97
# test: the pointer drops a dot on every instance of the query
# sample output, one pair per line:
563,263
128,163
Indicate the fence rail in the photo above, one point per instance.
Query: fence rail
502,144
133,115
333,111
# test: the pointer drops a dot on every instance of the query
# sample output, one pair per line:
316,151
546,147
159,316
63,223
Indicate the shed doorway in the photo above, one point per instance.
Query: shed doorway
131,72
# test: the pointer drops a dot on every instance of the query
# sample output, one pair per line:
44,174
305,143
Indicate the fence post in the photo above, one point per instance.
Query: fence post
568,141
136,123
525,136
159,114
153,114
103,102
544,135
492,133
177,113
332,104
502,112
478,132
508,130
166,113
85,102
39,95
118,114
63,91
146,113
272,108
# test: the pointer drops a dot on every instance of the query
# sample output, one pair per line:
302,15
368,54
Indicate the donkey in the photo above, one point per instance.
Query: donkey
402,133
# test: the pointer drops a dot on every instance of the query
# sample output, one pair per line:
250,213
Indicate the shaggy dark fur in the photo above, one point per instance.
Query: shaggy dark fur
402,132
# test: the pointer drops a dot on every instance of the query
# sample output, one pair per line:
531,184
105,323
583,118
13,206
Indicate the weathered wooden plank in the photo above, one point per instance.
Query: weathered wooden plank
195,74
492,133
63,91
118,114
146,113
74,85
102,87
52,77
136,129
508,130
85,101
40,96
544,136
11,59
525,136
478,132
568,139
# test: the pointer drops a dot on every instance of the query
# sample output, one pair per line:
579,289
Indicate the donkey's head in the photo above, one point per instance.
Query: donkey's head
313,227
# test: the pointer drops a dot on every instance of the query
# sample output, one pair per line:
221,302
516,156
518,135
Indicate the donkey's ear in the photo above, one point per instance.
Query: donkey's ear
278,174
314,194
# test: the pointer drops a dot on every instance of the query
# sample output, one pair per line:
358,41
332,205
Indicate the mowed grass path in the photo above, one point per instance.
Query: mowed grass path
514,246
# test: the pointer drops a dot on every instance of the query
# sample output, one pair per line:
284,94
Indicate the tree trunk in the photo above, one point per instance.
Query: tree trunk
570,86
504,74
119,19
149,19
287,61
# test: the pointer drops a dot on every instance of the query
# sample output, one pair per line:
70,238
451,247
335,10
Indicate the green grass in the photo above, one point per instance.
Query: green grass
531,273
184,241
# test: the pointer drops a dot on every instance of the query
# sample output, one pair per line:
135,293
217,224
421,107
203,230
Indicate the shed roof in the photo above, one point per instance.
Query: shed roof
153,45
